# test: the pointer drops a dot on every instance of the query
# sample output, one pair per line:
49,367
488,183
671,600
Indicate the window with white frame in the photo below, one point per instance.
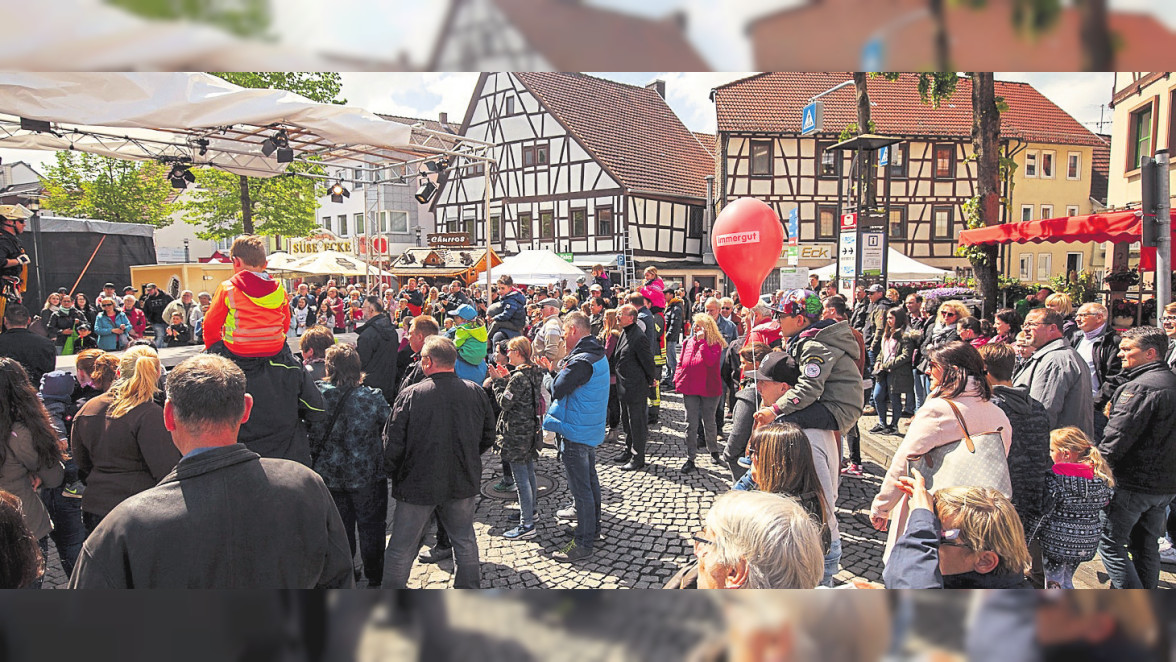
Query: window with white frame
359,225
395,222
1071,210
343,225
327,222
1073,263
1026,212
1030,163
1026,270
1074,165
1044,266
1047,164
1047,211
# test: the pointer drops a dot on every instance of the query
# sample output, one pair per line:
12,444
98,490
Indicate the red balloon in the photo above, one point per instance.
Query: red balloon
747,238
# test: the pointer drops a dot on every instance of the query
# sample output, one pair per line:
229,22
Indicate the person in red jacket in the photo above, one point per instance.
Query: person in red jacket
250,312
764,328
698,380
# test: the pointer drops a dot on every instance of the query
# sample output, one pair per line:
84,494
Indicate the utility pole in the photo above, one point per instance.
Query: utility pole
1163,233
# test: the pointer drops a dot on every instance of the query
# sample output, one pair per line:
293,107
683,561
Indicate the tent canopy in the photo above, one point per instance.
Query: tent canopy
332,263
899,267
536,267
202,120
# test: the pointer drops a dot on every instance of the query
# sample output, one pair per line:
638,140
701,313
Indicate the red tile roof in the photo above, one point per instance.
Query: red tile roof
985,39
630,130
572,35
708,140
773,102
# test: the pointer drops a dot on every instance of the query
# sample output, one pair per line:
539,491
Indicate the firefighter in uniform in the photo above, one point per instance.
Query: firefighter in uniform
14,269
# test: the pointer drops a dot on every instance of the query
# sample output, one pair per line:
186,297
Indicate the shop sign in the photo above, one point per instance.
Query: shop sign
449,239
319,242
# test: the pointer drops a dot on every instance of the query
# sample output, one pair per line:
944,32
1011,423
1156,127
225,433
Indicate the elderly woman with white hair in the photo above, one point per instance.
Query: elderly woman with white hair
755,540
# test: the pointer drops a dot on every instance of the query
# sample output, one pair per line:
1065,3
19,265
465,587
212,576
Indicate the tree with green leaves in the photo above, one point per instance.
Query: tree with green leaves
226,205
244,18
84,185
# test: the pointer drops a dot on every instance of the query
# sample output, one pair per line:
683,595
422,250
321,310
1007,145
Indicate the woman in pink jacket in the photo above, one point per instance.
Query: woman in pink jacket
957,374
700,384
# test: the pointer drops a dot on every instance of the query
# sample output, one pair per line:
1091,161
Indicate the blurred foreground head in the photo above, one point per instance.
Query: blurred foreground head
1096,625
801,626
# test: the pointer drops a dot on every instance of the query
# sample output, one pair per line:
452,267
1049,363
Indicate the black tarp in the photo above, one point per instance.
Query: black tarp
62,247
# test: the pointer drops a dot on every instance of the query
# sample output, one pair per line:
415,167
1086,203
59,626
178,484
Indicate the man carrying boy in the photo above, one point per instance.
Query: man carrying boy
247,323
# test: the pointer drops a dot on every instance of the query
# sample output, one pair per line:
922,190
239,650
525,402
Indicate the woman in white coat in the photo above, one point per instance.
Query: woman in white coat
957,374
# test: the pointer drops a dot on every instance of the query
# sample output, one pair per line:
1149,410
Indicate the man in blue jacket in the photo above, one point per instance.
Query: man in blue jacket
578,416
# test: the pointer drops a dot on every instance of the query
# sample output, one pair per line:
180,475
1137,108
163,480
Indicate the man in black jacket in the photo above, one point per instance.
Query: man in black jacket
378,345
1139,444
675,321
857,318
633,359
34,353
1098,345
153,303
433,444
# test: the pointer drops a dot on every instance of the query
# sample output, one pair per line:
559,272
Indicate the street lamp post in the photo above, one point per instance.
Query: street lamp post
35,207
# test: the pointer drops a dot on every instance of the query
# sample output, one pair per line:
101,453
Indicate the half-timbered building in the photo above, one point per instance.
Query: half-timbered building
599,169
559,35
762,154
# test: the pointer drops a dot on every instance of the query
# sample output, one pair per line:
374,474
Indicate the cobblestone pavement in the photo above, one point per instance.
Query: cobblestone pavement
647,519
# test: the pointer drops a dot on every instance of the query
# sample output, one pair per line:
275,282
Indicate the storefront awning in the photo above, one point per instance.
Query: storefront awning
1120,227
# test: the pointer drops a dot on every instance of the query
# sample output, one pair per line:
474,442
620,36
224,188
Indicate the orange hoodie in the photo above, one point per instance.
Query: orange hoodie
251,313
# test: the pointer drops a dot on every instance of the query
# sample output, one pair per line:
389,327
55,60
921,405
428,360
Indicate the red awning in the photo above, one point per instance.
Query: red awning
1120,227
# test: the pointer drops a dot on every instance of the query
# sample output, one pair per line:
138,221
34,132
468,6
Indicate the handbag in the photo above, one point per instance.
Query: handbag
974,461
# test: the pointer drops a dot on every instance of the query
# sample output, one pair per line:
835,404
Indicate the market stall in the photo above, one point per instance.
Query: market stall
444,264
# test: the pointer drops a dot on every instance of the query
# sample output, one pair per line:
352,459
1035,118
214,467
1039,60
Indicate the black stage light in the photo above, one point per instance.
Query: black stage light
180,176
338,192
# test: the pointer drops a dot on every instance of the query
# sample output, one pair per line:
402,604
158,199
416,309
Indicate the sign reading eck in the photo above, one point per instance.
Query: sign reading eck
306,246
444,240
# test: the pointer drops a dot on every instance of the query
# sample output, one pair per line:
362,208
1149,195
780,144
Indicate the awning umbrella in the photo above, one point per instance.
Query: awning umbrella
1120,227
333,263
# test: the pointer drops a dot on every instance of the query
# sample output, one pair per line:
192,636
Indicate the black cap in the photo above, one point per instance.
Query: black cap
777,367
129,288
110,285
62,290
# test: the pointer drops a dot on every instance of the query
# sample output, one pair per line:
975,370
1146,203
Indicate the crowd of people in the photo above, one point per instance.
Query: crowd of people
1034,441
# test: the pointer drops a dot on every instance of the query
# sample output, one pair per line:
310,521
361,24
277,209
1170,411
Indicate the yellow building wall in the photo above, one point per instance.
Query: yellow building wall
175,278
1054,197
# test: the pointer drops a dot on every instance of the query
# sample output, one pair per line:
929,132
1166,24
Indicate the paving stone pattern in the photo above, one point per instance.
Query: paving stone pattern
648,518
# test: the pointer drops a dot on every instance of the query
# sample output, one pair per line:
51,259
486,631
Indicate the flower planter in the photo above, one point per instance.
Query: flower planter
1123,322
1118,286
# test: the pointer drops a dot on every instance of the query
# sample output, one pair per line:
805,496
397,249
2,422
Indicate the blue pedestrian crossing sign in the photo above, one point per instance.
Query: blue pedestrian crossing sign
812,118
884,155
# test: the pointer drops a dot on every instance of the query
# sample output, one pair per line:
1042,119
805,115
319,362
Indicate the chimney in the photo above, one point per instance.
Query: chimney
658,86
443,118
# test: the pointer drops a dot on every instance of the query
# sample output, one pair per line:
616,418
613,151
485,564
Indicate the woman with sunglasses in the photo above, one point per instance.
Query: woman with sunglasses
935,335
111,326
957,382
959,537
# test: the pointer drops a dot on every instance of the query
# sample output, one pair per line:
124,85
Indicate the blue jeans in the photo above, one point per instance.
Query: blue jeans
528,489
408,526
832,563
366,508
883,394
160,335
68,532
922,386
580,463
671,359
1132,526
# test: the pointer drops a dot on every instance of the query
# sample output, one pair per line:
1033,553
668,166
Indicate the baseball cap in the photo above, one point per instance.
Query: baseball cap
129,288
110,285
580,279
62,290
799,302
465,311
151,285
777,367
554,303
875,288
595,287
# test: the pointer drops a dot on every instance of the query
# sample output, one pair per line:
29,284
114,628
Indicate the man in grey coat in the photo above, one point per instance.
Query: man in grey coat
1056,375
224,517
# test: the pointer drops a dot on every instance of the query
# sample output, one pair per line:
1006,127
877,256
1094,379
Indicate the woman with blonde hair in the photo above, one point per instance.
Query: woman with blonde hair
119,440
700,383
610,335
959,537
937,335
1079,489
1061,304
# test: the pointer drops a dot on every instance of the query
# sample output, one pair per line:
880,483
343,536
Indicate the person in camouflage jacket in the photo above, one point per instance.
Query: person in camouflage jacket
519,393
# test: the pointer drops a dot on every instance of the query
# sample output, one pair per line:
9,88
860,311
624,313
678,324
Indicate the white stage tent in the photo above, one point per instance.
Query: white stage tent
899,267
536,267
